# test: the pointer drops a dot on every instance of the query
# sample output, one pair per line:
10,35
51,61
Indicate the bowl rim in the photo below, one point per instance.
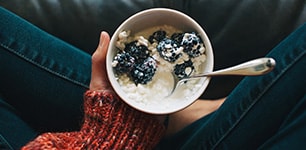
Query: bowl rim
114,38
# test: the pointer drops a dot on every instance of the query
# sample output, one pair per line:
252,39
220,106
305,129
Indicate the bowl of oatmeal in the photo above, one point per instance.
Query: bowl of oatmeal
151,47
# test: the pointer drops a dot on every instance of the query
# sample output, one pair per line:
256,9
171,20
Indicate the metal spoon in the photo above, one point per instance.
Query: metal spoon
254,67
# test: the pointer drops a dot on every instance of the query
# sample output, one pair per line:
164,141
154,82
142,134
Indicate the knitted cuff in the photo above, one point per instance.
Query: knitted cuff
119,125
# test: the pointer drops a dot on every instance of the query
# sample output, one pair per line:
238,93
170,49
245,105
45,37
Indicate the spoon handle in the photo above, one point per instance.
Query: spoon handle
250,68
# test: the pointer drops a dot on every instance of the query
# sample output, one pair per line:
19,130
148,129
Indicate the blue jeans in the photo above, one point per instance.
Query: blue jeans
263,112
42,82
43,79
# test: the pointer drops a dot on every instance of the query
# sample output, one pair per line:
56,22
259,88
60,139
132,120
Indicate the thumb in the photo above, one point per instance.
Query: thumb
99,80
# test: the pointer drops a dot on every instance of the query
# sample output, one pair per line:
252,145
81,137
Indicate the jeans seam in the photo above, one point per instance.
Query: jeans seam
41,66
257,99
5,142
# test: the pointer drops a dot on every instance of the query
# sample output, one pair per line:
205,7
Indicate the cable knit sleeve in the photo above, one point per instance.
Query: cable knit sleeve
109,123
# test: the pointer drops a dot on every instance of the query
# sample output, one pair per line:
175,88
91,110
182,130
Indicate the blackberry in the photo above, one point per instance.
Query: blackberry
157,36
177,37
144,72
123,62
169,50
184,69
139,52
193,44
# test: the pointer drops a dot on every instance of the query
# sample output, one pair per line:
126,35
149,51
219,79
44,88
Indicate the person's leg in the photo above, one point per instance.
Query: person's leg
14,132
258,107
263,104
42,77
292,132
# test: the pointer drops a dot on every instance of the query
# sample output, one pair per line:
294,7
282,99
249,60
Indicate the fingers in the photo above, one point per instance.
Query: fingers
99,80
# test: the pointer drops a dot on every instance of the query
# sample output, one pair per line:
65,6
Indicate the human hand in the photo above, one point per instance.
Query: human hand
99,79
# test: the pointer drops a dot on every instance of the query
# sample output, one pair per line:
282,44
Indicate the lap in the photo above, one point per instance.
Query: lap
257,108
42,77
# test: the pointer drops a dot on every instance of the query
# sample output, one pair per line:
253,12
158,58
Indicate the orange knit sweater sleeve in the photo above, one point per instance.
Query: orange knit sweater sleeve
109,123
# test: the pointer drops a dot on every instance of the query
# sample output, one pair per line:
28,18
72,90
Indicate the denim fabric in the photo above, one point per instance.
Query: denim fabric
14,132
41,77
263,112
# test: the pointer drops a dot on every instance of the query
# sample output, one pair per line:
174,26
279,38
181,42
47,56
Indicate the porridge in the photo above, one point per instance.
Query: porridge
144,62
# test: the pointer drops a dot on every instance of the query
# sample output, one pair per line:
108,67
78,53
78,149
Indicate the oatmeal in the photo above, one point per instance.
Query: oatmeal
145,60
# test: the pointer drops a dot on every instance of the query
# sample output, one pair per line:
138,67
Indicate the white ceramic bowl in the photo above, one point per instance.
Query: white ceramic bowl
158,17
